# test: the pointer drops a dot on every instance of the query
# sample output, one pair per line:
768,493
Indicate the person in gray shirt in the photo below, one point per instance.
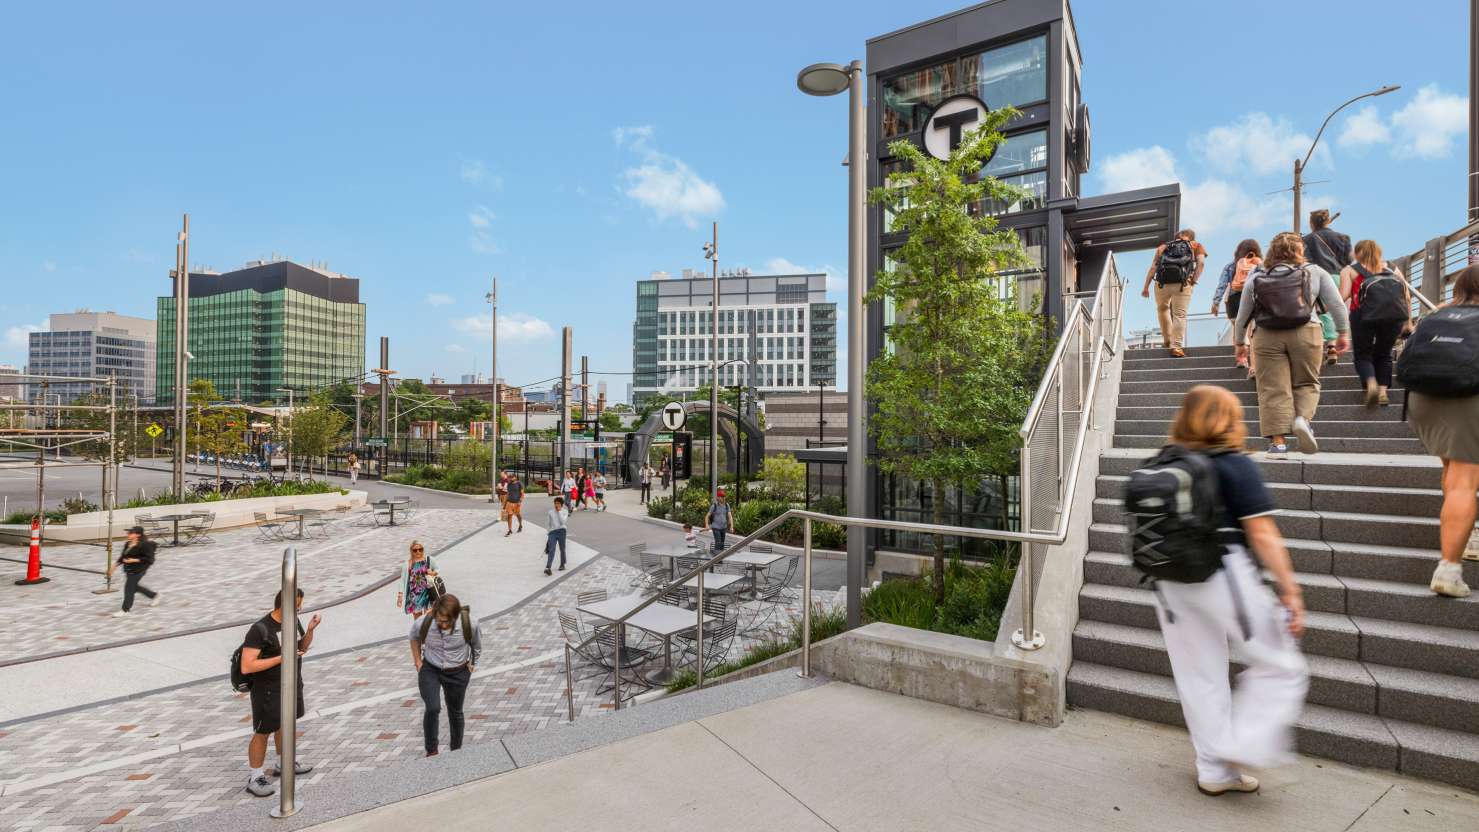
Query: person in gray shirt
1289,383
717,521
445,646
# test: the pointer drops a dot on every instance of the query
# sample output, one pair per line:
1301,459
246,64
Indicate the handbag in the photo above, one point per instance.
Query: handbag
435,585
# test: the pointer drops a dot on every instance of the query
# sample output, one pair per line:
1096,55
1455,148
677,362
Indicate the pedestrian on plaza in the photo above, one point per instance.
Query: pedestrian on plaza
1440,372
1281,299
418,582
1233,607
1381,309
514,504
588,493
554,524
599,483
690,539
1175,269
261,656
567,488
136,558
1330,250
644,479
666,474
717,521
1247,257
353,466
445,647
583,491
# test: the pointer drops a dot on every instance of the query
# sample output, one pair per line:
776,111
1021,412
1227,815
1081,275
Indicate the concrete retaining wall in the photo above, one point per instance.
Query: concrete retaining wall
92,525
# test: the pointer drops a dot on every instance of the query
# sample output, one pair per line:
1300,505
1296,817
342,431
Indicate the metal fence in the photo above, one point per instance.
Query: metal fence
1431,270
532,461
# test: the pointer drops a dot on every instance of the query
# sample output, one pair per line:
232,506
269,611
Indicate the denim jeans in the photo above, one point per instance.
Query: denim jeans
556,538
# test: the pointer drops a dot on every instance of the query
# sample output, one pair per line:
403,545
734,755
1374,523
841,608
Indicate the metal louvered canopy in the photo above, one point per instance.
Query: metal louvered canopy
1125,221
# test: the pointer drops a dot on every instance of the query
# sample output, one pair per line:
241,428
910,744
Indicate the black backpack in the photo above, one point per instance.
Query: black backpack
466,625
1176,263
241,682
1282,298
1172,508
1441,357
1383,296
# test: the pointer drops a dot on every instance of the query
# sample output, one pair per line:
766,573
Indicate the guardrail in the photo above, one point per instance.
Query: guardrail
1053,435
1430,269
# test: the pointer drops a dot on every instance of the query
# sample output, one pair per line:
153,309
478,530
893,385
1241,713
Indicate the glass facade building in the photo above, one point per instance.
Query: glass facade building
266,327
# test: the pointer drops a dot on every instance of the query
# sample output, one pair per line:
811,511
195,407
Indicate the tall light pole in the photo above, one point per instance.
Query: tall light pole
711,253
1300,165
182,336
492,298
832,79
289,391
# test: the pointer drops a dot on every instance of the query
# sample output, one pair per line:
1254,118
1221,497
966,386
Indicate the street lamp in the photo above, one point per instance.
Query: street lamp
831,79
289,453
1299,165
492,298
711,253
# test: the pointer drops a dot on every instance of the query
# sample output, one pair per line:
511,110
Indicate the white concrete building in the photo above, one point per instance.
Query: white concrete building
95,344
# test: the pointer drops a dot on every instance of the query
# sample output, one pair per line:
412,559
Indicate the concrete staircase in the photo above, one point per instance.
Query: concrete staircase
1395,669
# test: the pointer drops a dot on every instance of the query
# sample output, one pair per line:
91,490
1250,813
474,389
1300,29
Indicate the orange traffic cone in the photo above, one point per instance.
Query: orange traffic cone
33,562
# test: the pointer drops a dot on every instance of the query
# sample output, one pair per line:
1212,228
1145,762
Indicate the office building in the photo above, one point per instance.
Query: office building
94,345
13,389
265,327
778,332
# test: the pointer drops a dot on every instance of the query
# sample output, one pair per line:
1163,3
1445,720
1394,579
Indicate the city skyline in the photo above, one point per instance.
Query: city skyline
437,191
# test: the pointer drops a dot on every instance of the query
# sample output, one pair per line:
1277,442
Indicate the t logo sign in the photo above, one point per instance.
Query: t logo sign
949,122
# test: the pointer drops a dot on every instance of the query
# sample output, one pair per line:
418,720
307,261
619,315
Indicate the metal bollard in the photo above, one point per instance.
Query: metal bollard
288,713
569,684
805,598
701,627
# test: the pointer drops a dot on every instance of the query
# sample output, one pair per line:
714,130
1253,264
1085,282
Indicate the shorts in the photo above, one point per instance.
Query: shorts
266,708
515,509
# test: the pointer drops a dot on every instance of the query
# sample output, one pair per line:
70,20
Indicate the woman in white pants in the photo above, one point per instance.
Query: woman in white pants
1232,612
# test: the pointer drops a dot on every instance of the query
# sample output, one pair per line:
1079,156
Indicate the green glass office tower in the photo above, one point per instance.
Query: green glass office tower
265,327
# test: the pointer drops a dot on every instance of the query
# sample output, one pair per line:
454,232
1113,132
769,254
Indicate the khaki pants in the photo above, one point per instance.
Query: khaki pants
1288,376
1171,301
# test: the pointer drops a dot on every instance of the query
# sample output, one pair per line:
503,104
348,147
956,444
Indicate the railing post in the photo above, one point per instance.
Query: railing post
620,633
701,572
287,749
569,684
1027,638
805,598
1432,283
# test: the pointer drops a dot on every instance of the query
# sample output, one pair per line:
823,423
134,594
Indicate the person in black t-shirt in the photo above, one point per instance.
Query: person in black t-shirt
261,657
1200,621
137,557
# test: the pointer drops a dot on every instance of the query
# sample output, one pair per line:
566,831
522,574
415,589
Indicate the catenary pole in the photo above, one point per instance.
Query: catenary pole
857,434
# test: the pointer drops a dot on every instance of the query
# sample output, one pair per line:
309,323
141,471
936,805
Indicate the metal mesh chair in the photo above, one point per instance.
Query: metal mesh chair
197,528
268,528
717,641
592,597
152,527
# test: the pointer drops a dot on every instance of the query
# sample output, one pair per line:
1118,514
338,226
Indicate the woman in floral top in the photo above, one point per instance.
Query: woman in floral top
416,596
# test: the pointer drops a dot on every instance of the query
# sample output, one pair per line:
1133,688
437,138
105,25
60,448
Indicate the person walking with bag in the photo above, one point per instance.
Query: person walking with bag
1281,300
554,524
514,504
1247,257
419,581
136,558
1210,595
644,478
1175,269
261,656
445,647
353,466
1439,367
1330,250
1381,308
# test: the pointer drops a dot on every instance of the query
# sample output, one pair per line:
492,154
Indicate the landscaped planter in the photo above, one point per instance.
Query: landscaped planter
92,525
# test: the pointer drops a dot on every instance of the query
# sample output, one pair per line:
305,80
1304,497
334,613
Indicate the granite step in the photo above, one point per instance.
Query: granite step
1157,381
1397,471
1327,412
1324,428
1328,444
1352,397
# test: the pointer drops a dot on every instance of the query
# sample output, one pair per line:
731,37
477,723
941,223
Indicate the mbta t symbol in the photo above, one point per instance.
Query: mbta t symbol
955,122
949,122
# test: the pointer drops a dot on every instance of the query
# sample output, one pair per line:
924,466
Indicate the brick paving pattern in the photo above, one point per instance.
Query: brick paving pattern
183,751
211,584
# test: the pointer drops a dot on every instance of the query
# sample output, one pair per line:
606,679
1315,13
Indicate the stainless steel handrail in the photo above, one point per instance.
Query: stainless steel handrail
287,748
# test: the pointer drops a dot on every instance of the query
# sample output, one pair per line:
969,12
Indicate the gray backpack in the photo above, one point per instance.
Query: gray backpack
1282,298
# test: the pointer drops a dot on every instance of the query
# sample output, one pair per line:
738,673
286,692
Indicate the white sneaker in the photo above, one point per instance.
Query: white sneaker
120,614
1471,552
1244,783
154,602
1306,436
1448,579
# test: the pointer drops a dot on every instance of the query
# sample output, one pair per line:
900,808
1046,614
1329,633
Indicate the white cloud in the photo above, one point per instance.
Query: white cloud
1209,206
1364,127
49,265
439,299
1256,143
481,219
513,328
663,183
477,172
1428,124
456,348
19,337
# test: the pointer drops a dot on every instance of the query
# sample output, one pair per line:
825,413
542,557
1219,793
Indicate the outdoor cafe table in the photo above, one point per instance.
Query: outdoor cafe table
391,503
175,518
300,513
754,561
714,583
674,551
658,619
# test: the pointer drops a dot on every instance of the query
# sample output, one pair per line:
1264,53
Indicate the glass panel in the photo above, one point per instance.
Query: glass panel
1015,74
907,98
1036,185
1020,152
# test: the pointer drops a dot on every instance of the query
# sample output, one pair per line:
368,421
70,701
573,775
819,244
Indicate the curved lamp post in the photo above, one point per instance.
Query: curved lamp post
1300,164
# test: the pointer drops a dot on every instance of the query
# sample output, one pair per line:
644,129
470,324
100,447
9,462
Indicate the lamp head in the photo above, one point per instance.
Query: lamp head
823,79
1388,88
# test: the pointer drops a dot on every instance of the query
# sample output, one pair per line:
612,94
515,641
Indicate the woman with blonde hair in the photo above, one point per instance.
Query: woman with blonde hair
1381,308
418,582
1233,615
1282,299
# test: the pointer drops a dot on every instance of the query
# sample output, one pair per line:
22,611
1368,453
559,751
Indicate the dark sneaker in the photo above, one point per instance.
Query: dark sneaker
547,572
299,767
262,786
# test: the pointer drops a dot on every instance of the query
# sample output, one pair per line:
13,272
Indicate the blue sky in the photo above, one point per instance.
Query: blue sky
425,150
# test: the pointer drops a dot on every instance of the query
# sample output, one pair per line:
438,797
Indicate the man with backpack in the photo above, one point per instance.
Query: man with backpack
445,647
261,656
1282,298
1175,270
1330,250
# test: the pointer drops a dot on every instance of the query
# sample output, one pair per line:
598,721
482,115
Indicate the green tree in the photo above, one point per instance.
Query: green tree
611,422
784,477
317,428
960,364
220,432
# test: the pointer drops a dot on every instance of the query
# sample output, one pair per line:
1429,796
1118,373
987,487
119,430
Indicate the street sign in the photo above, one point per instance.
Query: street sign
375,442
154,430
673,416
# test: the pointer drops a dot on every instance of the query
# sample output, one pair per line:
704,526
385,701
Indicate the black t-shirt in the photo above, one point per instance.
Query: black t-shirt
266,636
1243,493
1329,249
515,491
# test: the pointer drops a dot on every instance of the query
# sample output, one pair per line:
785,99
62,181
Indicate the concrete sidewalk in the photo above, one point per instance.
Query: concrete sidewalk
487,570
840,757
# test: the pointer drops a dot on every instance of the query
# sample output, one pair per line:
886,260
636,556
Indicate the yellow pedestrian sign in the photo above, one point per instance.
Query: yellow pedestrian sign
154,430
